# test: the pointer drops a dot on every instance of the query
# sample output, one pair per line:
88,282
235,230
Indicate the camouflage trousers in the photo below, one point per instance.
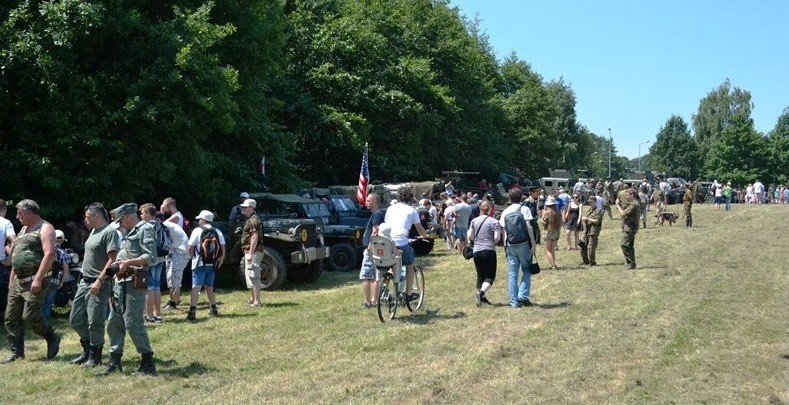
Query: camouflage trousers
628,246
24,308
591,248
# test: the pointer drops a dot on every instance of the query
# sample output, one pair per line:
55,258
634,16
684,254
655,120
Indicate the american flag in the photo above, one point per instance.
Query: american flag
364,180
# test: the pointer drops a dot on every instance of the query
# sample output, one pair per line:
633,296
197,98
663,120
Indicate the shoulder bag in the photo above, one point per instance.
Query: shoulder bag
468,251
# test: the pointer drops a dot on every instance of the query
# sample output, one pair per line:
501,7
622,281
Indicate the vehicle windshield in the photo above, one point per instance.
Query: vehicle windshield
344,205
314,211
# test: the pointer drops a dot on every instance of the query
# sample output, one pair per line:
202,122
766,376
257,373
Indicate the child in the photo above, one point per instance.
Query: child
60,273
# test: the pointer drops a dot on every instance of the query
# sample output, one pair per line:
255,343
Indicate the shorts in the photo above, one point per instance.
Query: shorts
203,275
368,267
460,233
176,262
155,277
718,200
252,270
408,255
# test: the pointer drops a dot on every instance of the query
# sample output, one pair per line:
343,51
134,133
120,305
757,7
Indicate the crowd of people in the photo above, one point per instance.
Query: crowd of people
125,256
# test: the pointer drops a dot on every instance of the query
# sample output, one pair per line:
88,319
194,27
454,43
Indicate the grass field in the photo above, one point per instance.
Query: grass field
702,320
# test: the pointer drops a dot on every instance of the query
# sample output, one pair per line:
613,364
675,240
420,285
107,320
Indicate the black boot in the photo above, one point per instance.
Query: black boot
85,352
690,222
113,366
17,350
147,366
53,344
94,357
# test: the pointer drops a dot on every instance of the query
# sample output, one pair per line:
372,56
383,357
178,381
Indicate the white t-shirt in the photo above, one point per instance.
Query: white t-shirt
578,187
6,230
599,202
525,211
758,187
179,237
180,218
194,240
401,218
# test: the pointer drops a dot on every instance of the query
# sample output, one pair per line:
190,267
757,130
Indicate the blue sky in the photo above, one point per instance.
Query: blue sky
633,64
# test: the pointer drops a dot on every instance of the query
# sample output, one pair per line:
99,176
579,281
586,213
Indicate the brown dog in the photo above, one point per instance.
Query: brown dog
668,216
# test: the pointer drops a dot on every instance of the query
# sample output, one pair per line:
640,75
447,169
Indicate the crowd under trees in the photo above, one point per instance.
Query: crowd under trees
125,100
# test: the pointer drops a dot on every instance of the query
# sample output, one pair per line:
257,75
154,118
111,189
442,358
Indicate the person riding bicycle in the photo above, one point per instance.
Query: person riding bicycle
401,217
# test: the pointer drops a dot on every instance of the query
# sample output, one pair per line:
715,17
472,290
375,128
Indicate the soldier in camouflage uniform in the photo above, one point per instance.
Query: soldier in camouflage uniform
608,196
687,204
630,212
657,198
32,255
594,223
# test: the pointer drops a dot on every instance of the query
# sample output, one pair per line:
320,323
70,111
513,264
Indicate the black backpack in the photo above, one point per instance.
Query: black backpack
515,226
164,242
210,250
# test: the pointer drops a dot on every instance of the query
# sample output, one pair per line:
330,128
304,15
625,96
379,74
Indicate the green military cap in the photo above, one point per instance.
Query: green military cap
125,209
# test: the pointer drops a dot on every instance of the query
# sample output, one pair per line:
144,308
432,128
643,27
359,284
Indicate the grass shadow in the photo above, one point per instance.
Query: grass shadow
191,369
427,316
563,304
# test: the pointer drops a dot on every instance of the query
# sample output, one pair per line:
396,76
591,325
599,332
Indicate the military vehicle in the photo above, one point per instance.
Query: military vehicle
333,218
294,248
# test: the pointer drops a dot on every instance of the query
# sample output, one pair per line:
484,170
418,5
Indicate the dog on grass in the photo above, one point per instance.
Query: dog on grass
671,217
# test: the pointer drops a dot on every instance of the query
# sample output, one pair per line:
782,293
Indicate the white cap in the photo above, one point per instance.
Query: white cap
206,215
249,203
244,195
60,234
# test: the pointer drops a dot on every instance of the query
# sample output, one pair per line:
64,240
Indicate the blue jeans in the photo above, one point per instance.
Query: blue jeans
518,258
155,277
49,298
728,203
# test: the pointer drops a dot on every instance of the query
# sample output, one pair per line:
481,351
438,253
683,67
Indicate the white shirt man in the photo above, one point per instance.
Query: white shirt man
599,202
758,190
664,186
578,188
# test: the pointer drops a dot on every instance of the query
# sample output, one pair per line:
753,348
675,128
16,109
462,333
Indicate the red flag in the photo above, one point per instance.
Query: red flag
364,180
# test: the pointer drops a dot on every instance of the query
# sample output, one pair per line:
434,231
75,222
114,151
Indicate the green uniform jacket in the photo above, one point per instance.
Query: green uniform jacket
595,222
631,216
139,242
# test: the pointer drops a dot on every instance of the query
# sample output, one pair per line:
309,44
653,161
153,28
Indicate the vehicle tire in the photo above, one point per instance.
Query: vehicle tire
342,257
710,199
387,299
418,288
315,271
422,247
273,266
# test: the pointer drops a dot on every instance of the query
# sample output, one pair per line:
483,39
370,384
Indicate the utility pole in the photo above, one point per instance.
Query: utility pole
610,143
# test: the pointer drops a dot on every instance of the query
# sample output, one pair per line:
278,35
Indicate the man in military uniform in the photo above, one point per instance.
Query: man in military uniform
138,251
531,203
593,222
687,204
89,309
32,255
630,212
657,199
252,247
608,196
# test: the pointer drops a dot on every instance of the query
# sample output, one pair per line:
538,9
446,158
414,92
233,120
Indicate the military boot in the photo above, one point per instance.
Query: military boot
113,366
147,366
94,358
85,352
53,344
17,350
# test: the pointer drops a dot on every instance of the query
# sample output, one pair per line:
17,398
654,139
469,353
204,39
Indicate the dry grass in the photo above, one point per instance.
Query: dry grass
702,320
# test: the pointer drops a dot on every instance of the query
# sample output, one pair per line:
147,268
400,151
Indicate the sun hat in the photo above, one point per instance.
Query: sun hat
206,215
550,201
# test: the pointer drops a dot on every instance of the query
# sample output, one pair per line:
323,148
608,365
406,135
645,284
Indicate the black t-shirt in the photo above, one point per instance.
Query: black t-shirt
376,219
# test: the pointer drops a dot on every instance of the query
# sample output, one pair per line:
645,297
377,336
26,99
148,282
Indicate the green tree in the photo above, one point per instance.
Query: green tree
778,146
674,150
738,155
717,111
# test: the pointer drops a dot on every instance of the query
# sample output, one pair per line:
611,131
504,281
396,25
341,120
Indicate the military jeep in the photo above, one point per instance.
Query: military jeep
293,246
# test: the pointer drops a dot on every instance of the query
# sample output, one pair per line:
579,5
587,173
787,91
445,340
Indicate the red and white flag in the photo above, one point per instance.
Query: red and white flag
364,180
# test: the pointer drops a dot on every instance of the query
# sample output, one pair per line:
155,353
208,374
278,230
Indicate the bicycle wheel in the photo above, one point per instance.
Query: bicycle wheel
417,288
387,298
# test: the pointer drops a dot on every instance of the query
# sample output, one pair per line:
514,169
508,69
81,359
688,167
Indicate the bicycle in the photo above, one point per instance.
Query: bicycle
390,295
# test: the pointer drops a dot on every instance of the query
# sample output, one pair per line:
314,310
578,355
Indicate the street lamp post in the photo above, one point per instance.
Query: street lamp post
639,154
610,142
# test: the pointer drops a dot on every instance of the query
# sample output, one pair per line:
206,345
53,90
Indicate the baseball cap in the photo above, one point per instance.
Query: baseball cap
206,215
60,234
244,195
249,203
